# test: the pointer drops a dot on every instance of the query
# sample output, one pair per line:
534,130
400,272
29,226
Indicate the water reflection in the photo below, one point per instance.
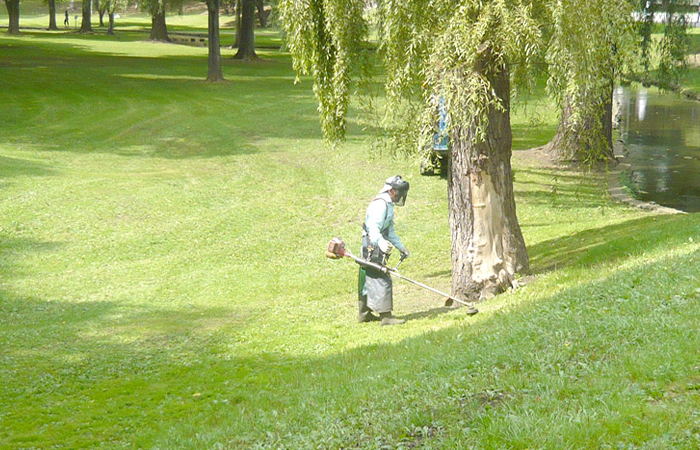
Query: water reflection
641,104
662,132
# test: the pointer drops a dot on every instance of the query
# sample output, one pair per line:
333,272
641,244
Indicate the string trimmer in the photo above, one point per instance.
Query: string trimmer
336,250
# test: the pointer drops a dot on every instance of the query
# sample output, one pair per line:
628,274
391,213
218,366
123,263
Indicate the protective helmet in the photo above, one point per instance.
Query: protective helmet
400,186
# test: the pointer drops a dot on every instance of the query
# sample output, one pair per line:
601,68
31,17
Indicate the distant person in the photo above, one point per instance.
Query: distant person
65,21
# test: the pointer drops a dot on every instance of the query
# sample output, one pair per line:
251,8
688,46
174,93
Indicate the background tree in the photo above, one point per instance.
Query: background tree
246,31
671,48
13,16
262,15
86,25
461,53
159,29
215,74
590,43
102,7
52,14
112,6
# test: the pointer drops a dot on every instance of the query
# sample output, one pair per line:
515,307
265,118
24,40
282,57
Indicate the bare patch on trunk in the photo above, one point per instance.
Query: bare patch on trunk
486,251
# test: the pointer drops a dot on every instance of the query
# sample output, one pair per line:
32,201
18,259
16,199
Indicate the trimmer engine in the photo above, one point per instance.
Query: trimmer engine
335,249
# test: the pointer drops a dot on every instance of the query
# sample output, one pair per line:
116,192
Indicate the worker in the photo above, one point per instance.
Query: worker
378,239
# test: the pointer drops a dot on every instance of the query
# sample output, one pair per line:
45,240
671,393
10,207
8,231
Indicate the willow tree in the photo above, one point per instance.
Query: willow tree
591,42
673,45
461,53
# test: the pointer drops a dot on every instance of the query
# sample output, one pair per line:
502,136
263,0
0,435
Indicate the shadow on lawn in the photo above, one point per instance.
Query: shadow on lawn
434,312
354,399
153,102
614,242
184,386
15,167
560,186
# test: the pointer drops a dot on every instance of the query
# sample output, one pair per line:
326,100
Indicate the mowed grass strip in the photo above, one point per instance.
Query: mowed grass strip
163,284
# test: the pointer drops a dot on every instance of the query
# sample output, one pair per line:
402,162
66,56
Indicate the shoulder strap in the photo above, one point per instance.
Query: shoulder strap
386,212
386,208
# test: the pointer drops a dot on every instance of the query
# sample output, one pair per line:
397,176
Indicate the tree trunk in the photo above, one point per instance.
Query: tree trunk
52,15
215,73
13,16
239,8
607,121
86,26
587,141
246,44
102,15
261,14
560,146
159,30
110,30
488,248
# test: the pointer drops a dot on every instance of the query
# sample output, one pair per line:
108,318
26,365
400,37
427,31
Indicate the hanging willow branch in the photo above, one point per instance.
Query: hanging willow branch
439,44
325,37
429,49
590,43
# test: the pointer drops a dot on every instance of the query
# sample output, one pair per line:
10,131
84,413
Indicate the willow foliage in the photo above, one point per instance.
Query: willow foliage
646,10
591,42
324,38
429,49
673,46
438,45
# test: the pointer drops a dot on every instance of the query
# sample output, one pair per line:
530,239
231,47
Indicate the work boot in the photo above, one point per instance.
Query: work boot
365,314
388,319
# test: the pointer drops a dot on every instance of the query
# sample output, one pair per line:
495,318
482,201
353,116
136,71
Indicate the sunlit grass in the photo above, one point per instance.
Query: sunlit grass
134,25
163,284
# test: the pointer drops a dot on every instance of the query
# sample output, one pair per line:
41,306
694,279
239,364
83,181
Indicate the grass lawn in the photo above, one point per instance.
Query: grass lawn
34,15
163,283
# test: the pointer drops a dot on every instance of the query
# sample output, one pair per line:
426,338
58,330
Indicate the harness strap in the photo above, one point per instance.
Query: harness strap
386,213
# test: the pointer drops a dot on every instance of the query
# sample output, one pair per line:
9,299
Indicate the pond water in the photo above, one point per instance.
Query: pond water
662,134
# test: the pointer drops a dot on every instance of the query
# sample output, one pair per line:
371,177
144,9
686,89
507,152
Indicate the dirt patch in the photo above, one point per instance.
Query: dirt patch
488,399
537,157
491,399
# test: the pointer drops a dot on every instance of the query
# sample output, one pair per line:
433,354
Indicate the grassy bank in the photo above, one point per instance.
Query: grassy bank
163,285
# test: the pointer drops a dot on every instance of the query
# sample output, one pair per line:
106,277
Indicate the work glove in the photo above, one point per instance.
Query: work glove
405,253
385,246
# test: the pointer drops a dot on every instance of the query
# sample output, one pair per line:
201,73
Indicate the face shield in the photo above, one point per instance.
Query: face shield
399,186
401,198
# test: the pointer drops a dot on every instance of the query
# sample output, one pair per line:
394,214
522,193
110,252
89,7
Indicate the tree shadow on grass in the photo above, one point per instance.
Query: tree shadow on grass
152,106
186,390
614,242
559,188
429,314
16,167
